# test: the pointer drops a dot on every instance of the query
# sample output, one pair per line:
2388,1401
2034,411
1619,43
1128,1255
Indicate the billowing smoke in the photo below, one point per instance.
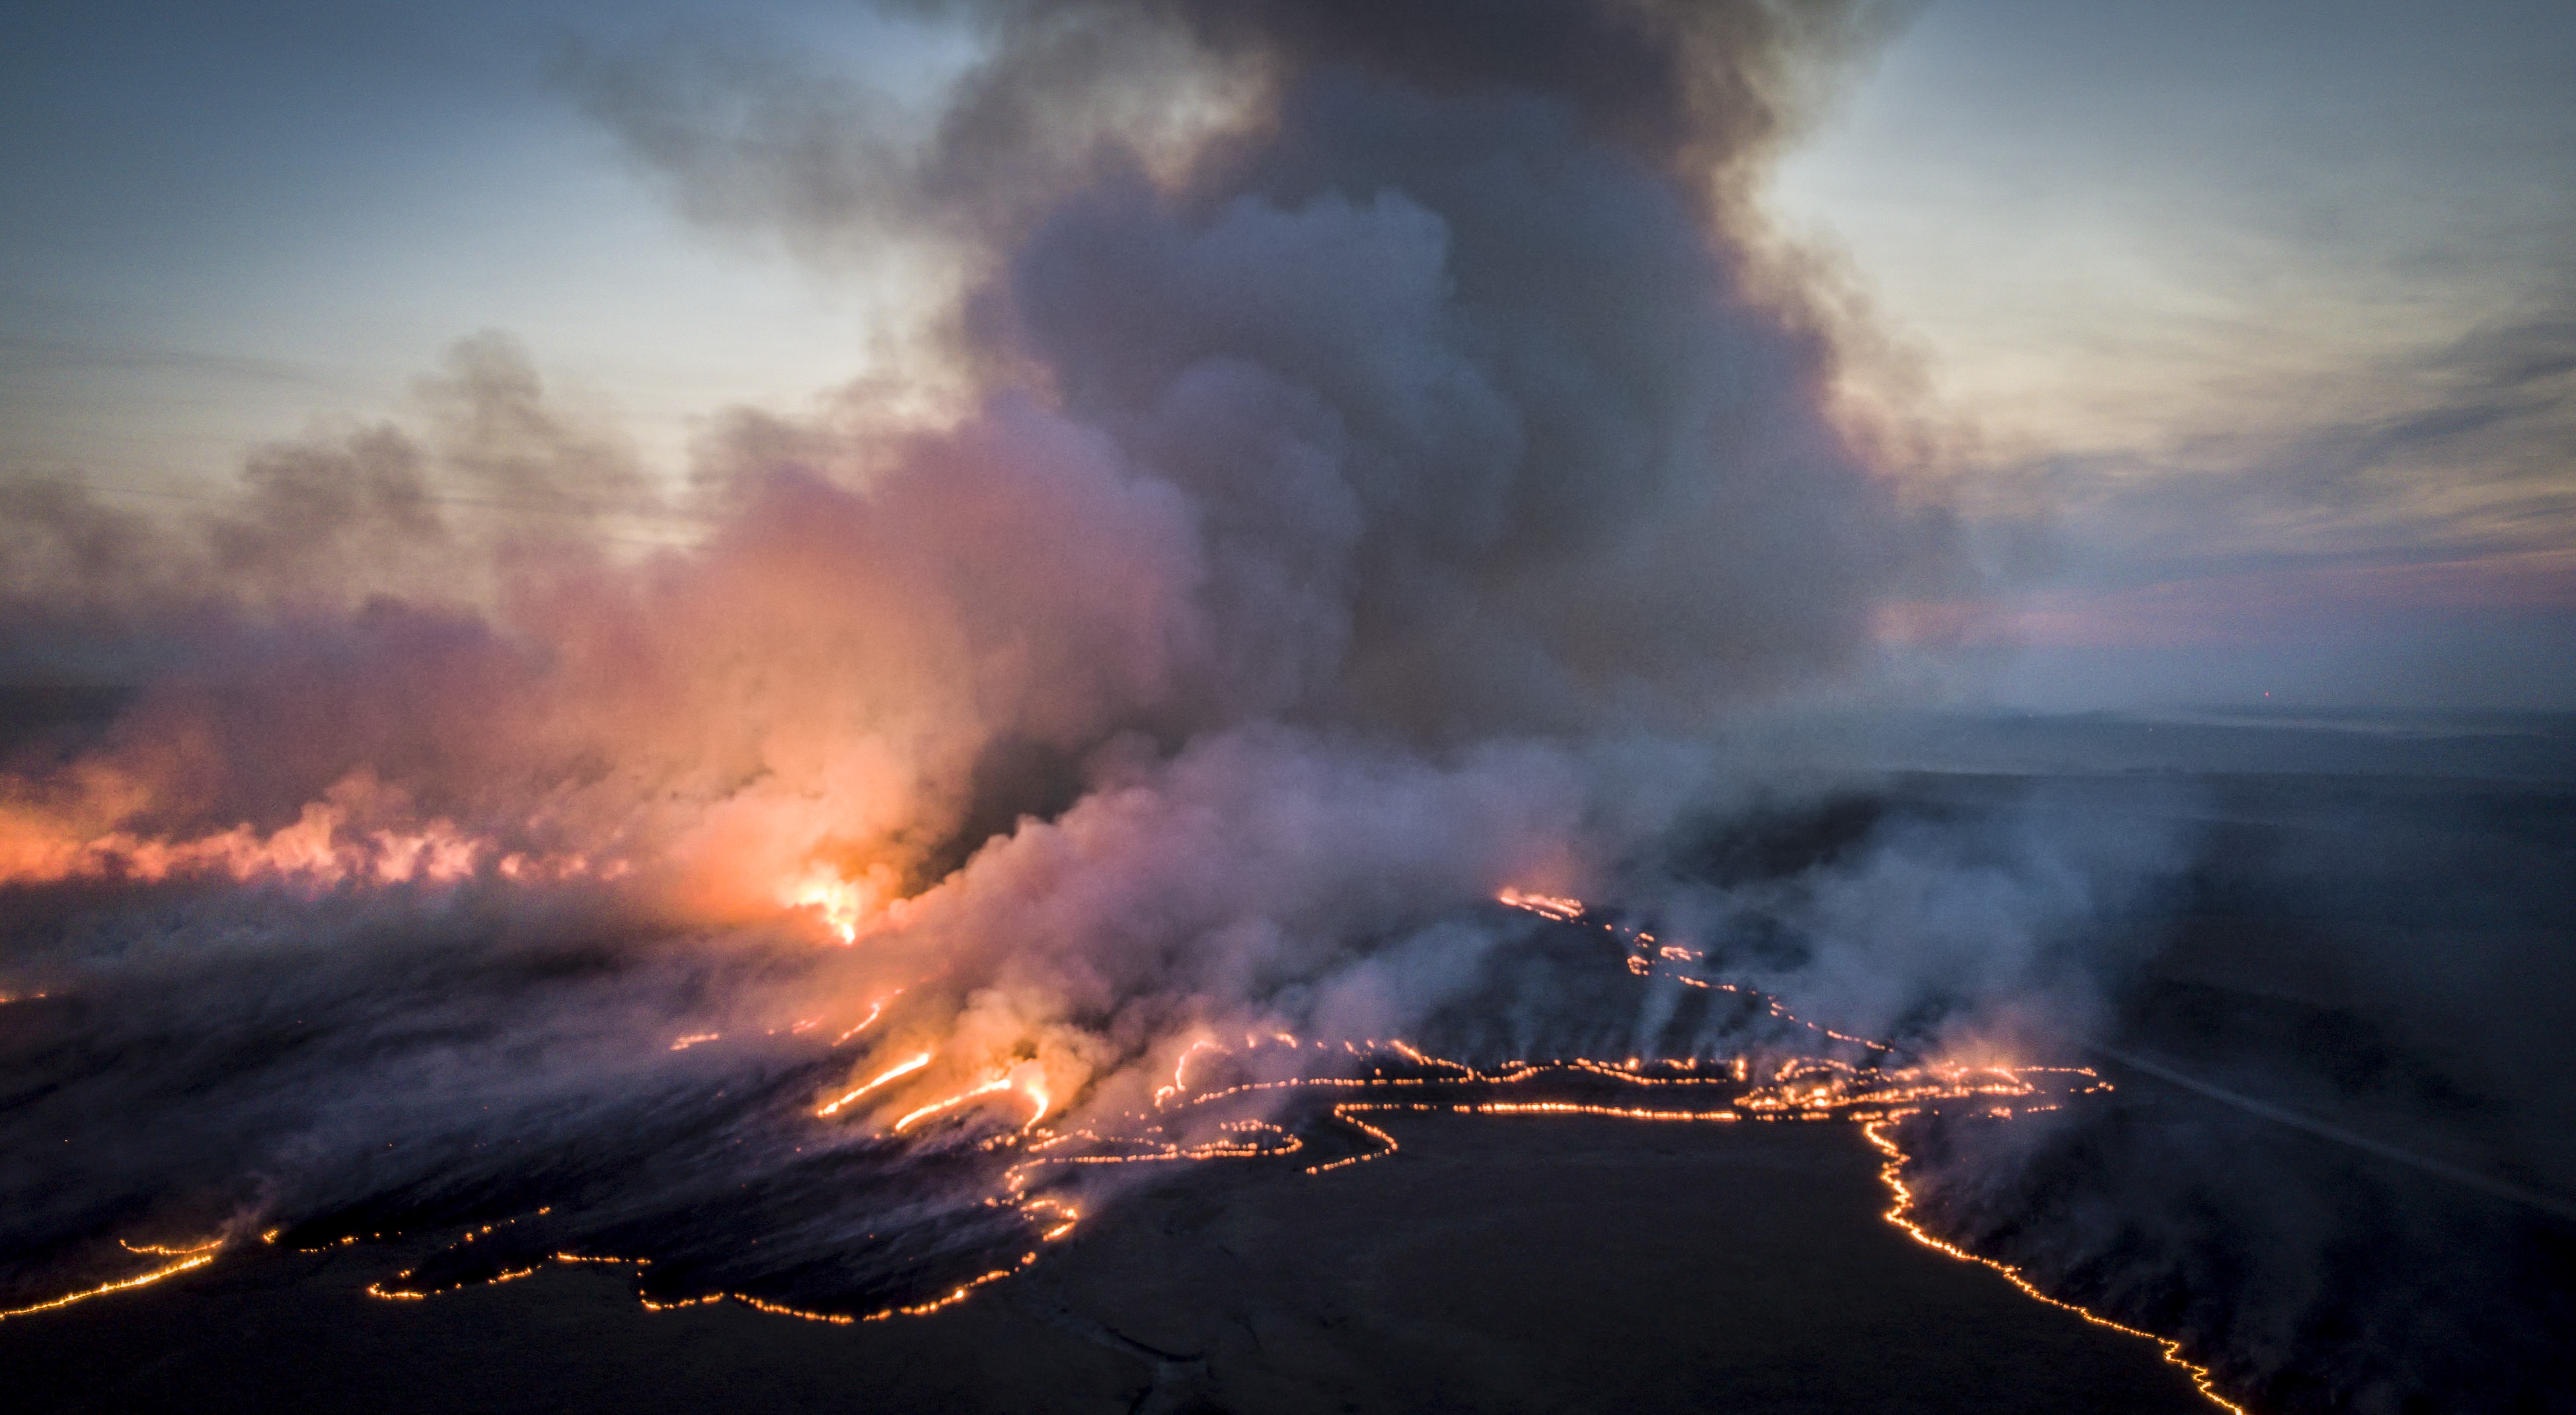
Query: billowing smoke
1385,460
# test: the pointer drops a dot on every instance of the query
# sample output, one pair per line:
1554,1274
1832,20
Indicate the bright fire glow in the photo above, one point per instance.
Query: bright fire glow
320,850
848,907
996,1085
1793,1088
1031,1081
899,1069
1398,1077
1554,906
196,1257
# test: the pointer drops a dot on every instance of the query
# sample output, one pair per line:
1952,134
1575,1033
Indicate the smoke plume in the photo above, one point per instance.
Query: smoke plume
1385,462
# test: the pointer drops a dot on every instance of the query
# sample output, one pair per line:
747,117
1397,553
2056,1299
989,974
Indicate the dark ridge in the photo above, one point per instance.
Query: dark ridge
2361,1055
1778,841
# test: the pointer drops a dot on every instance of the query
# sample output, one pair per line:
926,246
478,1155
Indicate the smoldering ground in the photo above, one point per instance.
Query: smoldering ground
558,1070
1380,480
2337,1163
428,1066
1416,405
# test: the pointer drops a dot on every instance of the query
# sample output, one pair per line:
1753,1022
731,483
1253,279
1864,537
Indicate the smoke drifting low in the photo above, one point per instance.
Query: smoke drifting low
1423,406
1386,469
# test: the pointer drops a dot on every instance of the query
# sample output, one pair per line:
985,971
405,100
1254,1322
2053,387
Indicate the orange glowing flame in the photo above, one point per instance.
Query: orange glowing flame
876,1010
1181,1071
997,1084
1028,1079
196,1257
320,850
850,907
163,1250
842,904
899,1069
1797,1088
1553,906
1900,1213
1031,1081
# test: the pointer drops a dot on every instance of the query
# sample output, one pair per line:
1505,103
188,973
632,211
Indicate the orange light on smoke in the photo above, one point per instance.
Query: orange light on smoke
899,1069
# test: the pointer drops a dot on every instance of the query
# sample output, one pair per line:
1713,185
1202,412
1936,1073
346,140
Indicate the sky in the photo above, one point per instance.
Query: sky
2271,307
2244,337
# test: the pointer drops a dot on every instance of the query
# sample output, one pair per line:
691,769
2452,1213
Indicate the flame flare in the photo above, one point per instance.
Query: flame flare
895,1072
1190,1118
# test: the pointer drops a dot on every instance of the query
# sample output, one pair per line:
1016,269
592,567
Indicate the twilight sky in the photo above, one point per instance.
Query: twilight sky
2245,334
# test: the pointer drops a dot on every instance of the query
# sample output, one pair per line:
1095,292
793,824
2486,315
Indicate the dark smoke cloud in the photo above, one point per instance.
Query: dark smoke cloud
1474,415
1388,467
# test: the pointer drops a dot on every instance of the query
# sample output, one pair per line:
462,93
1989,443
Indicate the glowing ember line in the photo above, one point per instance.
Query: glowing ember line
1554,906
1349,1111
1900,1213
1465,1072
161,1250
1346,1114
1181,1071
396,1294
1616,1112
194,1260
842,1319
876,1009
1796,1088
998,1083
902,1068
1646,952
